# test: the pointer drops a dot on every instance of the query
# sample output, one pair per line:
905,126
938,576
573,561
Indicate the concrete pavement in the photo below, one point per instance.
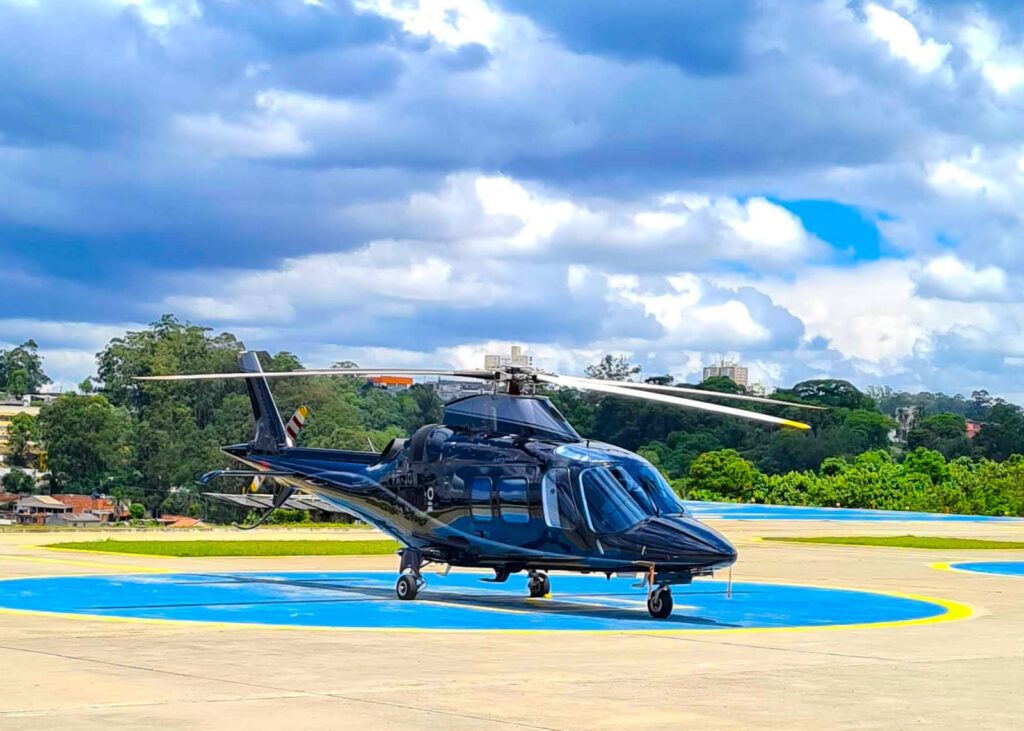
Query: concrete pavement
84,674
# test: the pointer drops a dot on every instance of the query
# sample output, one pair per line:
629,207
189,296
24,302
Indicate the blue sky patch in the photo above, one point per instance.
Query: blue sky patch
846,228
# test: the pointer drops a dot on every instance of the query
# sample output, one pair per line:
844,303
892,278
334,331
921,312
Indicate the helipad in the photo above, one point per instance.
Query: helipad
1003,568
365,600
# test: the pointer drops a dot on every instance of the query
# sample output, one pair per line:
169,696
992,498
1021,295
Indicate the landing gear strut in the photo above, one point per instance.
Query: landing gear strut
539,584
410,581
659,602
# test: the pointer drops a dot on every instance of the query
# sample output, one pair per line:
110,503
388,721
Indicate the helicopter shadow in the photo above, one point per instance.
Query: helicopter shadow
472,601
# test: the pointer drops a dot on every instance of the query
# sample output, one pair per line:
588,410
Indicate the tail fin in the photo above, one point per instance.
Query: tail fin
270,434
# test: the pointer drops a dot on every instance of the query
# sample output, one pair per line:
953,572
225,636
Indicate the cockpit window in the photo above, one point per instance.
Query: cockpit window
528,416
640,497
660,492
609,507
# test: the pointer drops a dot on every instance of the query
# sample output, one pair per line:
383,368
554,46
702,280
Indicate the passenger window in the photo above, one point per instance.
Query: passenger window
480,499
512,501
556,494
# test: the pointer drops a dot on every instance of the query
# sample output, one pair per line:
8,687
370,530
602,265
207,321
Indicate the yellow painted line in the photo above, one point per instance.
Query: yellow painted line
954,611
944,566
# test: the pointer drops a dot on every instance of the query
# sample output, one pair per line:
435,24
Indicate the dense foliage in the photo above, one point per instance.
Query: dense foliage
923,481
146,442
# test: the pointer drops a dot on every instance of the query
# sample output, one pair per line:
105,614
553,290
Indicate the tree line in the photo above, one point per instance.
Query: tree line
146,442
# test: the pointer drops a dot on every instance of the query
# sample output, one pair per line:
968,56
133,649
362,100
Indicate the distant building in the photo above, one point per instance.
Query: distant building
906,419
733,371
73,520
972,429
67,510
7,502
39,509
390,383
516,358
106,510
9,408
179,521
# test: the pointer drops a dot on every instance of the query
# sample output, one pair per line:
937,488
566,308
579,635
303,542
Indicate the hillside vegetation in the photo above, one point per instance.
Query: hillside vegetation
146,442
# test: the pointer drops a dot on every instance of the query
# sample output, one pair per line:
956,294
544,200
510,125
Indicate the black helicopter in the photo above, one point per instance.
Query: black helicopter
505,483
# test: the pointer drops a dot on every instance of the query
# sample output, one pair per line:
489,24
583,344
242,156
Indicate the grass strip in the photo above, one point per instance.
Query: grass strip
200,548
931,542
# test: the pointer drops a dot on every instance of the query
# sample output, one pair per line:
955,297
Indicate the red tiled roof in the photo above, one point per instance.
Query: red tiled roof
85,503
180,521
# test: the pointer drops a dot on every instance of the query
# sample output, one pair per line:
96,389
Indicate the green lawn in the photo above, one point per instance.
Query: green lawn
904,541
191,549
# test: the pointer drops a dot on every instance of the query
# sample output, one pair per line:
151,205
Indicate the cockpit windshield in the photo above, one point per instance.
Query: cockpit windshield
609,507
660,492
528,416
639,495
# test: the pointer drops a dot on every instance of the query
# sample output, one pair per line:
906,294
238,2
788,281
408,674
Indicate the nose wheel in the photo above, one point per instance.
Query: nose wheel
659,602
539,584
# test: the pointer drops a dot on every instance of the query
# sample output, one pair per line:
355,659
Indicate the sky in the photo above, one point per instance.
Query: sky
819,189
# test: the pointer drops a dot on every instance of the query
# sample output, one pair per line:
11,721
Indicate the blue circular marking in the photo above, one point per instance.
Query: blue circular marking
1003,568
755,511
361,599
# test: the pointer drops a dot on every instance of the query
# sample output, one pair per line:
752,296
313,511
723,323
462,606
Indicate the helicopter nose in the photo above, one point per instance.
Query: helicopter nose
684,538
718,545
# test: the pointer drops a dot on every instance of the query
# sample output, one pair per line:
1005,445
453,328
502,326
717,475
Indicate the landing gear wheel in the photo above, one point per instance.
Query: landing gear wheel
659,602
539,585
407,587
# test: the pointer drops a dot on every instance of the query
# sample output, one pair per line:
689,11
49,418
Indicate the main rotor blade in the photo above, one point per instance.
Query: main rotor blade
485,375
703,393
588,385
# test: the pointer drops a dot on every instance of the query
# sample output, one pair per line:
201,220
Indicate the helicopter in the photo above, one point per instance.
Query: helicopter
504,482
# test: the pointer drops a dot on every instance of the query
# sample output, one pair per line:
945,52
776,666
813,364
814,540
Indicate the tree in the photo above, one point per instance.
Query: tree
1003,434
829,392
721,384
137,511
863,430
612,368
944,433
18,481
21,369
87,440
168,346
926,462
723,472
21,434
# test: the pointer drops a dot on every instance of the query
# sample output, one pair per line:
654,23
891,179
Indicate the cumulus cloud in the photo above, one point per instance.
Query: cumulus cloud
503,217
904,40
948,277
422,180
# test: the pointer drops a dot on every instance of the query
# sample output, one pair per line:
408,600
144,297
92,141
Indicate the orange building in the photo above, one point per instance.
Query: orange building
390,382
